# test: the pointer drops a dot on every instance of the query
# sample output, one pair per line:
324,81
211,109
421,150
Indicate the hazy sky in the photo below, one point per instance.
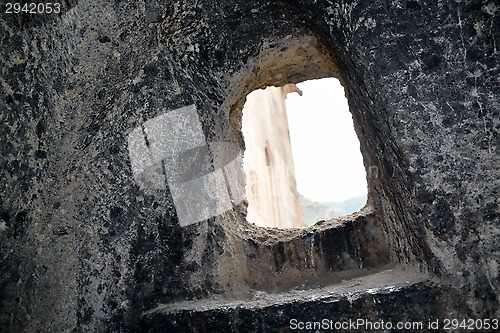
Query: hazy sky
328,162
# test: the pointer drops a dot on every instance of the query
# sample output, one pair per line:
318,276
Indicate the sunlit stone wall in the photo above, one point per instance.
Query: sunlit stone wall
268,160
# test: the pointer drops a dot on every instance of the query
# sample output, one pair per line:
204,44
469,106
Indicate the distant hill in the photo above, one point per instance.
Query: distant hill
313,212
348,206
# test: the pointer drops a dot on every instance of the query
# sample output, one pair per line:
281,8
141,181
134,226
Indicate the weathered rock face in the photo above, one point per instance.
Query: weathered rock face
85,248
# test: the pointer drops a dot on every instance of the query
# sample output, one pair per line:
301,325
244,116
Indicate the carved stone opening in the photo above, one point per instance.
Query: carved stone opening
271,259
317,171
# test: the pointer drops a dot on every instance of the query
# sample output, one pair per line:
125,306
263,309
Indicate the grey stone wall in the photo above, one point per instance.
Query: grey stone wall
85,248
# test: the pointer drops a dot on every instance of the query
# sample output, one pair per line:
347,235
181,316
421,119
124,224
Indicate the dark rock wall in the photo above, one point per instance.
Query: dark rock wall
83,246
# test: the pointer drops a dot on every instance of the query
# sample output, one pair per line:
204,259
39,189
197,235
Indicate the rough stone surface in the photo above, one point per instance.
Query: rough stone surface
84,248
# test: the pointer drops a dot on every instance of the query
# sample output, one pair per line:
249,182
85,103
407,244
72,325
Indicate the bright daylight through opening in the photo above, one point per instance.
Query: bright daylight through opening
302,157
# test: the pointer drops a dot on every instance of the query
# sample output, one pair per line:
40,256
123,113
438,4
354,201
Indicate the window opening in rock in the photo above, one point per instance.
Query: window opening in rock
302,157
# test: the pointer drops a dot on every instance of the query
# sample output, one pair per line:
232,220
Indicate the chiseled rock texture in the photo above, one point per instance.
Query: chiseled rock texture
84,248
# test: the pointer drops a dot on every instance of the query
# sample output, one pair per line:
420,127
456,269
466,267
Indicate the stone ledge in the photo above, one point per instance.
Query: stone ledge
379,296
